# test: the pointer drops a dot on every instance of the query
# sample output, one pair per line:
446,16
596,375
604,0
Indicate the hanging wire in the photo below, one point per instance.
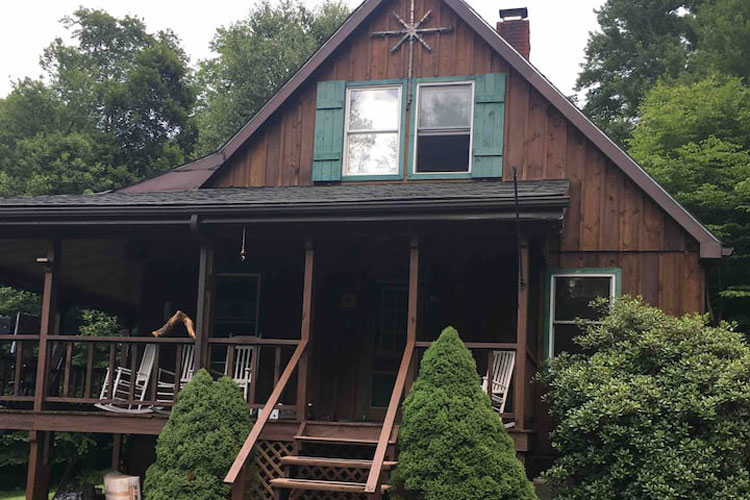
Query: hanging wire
243,250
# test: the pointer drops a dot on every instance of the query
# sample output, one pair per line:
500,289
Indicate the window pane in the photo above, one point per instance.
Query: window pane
574,293
371,154
443,153
373,109
563,339
448,106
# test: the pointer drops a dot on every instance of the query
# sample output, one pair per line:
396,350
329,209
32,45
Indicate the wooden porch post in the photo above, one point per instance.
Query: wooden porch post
49,311
305,330
413,297
37,476
519,388
205,302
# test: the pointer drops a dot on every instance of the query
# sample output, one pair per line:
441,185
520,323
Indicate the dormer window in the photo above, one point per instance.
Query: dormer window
373,131
455,129
444,119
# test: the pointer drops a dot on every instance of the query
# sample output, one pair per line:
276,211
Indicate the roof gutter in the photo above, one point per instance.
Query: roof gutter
534,208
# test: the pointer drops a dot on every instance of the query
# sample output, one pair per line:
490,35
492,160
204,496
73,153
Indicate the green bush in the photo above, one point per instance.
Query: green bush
201,439
657,408
453,446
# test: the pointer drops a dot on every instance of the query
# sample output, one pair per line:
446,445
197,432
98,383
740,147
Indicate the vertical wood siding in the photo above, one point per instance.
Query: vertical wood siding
610,221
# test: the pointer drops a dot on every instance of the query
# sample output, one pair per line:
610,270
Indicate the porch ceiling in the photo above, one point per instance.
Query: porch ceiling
538,200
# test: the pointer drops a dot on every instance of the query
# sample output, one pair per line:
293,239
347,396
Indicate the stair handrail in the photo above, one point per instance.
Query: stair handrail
373,479
273,399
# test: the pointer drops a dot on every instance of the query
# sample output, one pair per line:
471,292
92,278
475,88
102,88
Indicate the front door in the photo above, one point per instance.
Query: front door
386,343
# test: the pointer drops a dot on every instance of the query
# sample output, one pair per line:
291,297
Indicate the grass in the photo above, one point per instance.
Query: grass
13,495
16,495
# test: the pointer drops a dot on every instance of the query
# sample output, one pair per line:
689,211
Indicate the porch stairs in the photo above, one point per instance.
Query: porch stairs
332,460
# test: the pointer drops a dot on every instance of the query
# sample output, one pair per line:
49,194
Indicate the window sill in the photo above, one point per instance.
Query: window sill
384,177
439,175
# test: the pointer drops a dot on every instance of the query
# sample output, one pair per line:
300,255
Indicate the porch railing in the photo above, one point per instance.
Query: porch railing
240,461
18,367
485,350
77,365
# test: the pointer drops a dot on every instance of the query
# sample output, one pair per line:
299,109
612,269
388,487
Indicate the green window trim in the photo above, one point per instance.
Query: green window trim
487,130
613,272
402,121
488,115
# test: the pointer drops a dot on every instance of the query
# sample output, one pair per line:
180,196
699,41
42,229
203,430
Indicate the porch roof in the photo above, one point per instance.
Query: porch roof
538,200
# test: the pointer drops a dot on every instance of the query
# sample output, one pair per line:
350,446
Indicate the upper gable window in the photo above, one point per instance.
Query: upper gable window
444,123
373,131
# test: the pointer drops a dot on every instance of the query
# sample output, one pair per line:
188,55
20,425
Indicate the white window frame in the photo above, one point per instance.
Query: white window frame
345,161
552,301
470,83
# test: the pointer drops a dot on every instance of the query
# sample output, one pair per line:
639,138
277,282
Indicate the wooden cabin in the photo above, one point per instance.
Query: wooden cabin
416,172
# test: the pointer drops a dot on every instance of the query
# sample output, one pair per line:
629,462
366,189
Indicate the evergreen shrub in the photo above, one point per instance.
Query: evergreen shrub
453,446
205,431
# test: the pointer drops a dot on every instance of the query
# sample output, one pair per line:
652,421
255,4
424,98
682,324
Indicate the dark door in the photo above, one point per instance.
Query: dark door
386,346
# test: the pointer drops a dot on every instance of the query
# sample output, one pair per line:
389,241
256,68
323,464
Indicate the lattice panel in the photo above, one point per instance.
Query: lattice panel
266,465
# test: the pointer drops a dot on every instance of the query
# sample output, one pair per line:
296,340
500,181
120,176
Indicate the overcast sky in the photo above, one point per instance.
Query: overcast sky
559,29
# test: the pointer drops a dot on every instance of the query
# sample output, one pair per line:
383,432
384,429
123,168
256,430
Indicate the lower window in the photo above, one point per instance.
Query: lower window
570,296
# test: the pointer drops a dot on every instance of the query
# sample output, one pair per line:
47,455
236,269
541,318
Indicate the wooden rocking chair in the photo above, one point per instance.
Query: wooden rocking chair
503,363
124,379
242,371
168,383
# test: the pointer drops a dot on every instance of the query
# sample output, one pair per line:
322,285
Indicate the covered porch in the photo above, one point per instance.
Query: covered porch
323,297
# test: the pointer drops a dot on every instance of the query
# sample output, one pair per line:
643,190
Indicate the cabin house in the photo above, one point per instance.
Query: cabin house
416,172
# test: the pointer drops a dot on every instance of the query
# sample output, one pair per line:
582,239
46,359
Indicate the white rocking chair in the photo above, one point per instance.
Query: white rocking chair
503,363
167,383
242,371
123,379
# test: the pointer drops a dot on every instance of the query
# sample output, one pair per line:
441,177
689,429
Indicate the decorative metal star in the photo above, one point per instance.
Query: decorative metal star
411,31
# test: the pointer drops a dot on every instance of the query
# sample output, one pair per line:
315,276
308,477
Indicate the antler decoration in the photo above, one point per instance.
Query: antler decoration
178,317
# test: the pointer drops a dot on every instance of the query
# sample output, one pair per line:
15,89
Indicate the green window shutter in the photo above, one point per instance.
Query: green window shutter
329,131
489,121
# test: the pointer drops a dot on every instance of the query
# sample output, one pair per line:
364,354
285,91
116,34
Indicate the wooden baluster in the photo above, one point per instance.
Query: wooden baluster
177,360
133,368
66,373
254,375
277,364
89,371
3,376
230,362
111,372
155,374
489,374
19,365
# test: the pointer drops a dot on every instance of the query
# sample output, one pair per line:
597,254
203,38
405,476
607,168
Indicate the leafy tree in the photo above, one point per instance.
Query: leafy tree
117,109
255,57
639,42
656,408
723,28
197,446
694,138
453,446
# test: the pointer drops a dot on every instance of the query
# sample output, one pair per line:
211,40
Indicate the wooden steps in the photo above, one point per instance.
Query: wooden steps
334,457
349,463
318,485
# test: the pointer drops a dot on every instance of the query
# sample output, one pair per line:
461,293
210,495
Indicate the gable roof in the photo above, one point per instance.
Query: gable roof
195,174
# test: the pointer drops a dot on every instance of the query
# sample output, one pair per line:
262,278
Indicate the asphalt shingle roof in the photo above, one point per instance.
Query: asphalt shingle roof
300,195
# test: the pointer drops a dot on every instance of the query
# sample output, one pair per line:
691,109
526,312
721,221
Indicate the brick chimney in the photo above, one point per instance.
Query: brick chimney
514,28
